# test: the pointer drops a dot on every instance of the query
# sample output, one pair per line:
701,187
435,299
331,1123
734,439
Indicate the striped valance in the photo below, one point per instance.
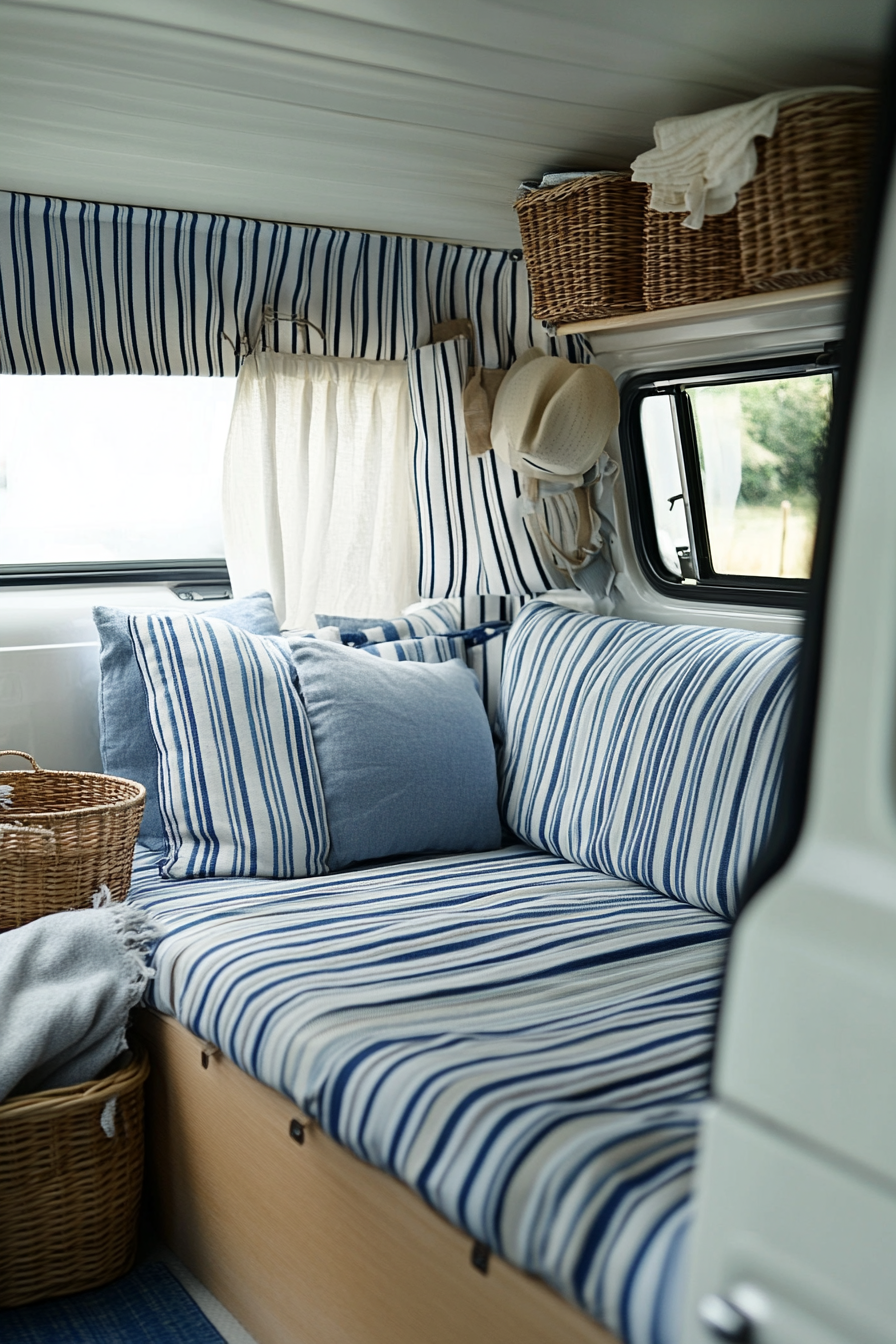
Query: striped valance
98,289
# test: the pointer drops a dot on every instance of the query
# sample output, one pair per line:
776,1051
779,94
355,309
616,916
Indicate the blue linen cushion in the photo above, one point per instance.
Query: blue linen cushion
650,753
405,754
239,788
127,745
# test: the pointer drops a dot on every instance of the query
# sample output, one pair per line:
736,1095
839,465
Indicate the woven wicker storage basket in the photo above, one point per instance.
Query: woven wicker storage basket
583,242
66,833
797,216
69,1194
683,266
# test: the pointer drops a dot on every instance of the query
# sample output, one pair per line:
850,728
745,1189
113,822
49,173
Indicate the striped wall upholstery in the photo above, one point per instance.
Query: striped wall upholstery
472,536
89,288
649,752
524,1042
239,788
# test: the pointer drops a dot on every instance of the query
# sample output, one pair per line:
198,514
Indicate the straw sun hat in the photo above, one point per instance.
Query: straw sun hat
551,422
552,419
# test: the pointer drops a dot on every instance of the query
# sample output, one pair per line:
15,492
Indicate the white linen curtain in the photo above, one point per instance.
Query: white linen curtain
318,504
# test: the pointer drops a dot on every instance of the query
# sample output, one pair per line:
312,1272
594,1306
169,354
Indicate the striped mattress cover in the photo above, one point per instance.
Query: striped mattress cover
524,1042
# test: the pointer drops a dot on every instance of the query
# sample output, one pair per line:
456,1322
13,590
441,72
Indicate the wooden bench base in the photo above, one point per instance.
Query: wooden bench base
303,1242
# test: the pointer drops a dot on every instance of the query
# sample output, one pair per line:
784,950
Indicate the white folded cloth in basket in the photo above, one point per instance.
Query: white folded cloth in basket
701,162
67,984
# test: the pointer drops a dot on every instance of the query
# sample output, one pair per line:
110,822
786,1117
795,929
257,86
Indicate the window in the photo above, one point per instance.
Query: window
106,473
723,467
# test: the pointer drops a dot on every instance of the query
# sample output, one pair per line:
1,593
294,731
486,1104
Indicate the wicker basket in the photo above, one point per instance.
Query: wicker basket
797,216
683,266
583,242
70,1193
65,834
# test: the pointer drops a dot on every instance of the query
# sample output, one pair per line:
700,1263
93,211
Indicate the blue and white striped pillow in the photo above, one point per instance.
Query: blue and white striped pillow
651,753
239,786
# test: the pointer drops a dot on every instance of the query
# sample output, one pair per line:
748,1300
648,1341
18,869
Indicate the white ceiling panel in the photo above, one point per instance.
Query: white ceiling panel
407,116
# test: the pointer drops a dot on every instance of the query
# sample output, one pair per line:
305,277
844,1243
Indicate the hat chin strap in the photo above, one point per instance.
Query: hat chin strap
588,540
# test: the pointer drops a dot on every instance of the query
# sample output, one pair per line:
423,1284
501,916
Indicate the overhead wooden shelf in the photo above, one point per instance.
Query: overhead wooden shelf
774,301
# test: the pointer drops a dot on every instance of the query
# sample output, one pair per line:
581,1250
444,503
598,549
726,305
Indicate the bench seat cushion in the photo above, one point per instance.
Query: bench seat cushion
648,752
524,1042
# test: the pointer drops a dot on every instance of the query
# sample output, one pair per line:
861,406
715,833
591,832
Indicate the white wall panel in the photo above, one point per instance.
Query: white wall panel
49,669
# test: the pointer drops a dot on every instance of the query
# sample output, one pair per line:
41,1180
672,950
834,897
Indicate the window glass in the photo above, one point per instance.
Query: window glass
667,496
760,445
111,469
732,467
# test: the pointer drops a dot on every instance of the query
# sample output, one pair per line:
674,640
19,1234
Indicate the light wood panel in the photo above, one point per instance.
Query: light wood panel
774,301
305,1244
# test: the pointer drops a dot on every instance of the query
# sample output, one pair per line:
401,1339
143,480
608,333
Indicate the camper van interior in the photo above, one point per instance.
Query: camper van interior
447,484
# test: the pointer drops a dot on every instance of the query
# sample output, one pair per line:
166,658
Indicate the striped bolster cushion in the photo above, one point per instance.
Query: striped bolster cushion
651,753
445,617
438,618
239,786
428,649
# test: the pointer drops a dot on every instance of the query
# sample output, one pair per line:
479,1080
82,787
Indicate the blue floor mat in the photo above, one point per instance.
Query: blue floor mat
147,1306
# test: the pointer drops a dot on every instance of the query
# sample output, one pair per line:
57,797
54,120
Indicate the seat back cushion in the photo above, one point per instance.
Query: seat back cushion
647,752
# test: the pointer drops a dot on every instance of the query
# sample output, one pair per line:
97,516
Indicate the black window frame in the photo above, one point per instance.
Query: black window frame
743,589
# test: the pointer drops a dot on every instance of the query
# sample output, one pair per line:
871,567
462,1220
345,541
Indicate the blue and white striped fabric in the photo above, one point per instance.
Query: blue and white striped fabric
97,289
648,752
426,649
524,1042
472,535
239,788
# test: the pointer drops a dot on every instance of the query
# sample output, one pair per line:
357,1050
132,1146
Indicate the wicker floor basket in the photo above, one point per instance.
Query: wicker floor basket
71,1170
683,266
797,216
583,242
65,834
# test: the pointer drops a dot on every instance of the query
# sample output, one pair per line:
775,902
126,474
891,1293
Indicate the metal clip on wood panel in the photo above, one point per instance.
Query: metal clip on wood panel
209,1051
479,1256
297,1131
